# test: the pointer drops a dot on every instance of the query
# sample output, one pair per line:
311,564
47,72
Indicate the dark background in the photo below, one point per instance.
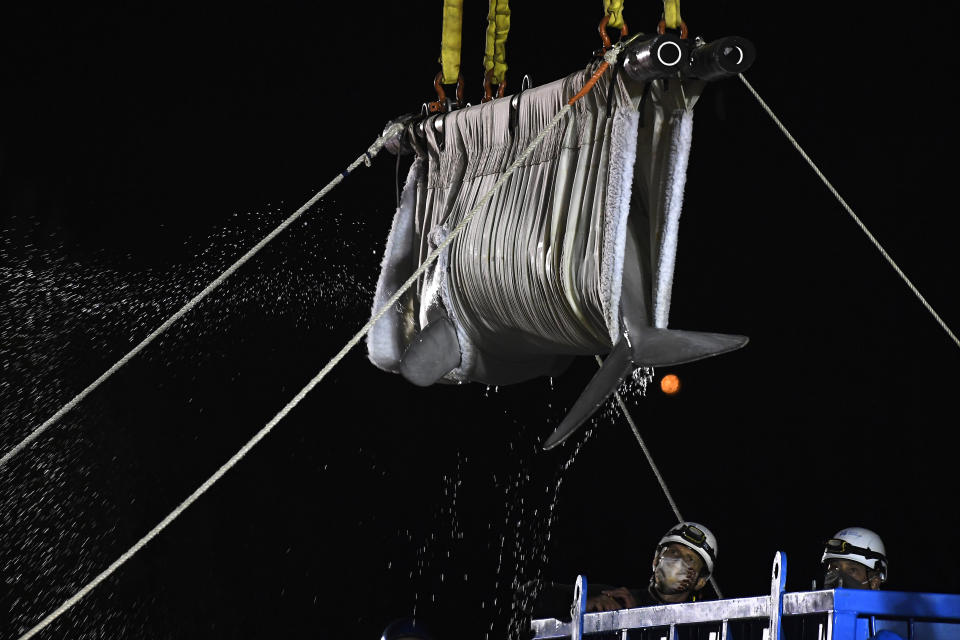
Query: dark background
140,154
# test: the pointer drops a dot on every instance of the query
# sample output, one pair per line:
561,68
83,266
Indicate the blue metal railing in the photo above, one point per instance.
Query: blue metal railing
836,614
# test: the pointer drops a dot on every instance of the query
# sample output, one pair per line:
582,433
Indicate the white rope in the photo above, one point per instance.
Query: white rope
296,400
646,452
364,159
623,406
653,466
856,219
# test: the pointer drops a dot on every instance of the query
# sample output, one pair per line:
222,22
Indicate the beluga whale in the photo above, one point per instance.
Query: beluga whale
574,254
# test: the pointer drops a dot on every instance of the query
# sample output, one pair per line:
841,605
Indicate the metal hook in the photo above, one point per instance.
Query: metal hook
525,84
602,28
443,104
488,90
662,28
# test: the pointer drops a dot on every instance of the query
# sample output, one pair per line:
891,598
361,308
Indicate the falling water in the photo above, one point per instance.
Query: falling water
518,487
66,318
65,509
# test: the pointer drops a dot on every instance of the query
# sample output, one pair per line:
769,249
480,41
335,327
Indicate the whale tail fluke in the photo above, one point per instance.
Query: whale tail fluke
669,347
651,348
618,364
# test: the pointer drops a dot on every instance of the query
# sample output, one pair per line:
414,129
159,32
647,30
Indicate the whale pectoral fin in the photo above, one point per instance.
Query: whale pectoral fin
667,347
433,353
604,382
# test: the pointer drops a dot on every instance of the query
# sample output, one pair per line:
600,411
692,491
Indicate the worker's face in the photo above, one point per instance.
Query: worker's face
850,575
677,568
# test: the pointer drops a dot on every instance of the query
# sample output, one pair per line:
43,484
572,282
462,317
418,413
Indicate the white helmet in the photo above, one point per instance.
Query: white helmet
695,536
860,545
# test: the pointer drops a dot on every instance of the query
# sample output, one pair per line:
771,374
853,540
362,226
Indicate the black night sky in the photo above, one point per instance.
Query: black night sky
142,153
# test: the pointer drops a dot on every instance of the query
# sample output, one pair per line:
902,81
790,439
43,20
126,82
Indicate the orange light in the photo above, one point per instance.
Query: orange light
670,384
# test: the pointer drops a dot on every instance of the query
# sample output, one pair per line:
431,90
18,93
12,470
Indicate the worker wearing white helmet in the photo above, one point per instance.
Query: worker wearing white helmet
683,561
854,558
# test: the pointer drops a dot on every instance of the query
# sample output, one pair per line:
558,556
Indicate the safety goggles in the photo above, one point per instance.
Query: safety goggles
695,536
835,545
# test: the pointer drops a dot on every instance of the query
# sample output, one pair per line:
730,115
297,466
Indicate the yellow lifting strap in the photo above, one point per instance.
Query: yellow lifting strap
614,9
498,26
450,40
671,13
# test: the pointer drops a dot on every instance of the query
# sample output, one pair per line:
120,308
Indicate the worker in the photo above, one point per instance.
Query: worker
682,564
683,561
854,558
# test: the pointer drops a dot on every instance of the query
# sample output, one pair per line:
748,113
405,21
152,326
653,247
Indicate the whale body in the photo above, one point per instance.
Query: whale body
573,255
